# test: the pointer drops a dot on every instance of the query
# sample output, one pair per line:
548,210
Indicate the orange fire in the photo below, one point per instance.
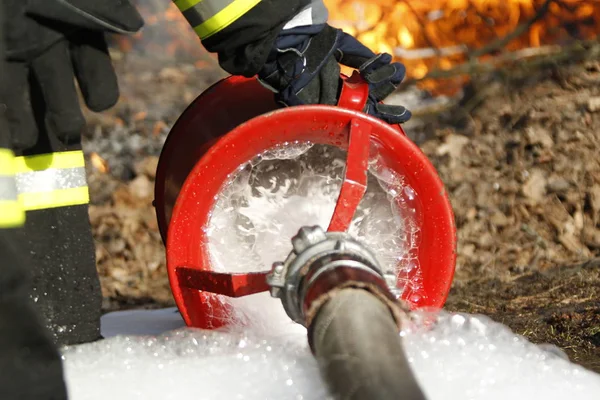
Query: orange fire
438,34
425,35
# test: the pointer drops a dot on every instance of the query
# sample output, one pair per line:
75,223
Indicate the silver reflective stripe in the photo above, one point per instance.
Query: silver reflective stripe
314,14
204,10
51,179
8,188
320,13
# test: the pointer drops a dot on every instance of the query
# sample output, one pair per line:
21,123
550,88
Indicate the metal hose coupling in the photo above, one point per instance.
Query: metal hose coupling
322,263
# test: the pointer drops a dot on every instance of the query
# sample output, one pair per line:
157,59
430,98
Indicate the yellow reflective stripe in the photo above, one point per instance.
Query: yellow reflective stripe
208,17
56,198
51,180
11,214
41,162
224,18
7,162
185,4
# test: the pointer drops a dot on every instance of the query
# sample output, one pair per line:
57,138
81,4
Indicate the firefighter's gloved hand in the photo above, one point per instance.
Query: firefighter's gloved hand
304,69
49,43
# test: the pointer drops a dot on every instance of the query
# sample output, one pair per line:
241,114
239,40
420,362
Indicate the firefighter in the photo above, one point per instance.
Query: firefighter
50,44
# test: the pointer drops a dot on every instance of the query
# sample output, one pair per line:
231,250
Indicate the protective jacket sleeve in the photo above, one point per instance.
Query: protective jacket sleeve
243,32
11,213
293,51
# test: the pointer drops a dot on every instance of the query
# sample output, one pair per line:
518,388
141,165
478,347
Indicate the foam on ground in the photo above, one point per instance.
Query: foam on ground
464,357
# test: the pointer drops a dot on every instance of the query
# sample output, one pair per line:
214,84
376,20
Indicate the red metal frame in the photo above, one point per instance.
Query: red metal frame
214,134
231,285
355,177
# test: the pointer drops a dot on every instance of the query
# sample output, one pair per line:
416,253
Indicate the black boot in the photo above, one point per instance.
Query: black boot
30,362
66,288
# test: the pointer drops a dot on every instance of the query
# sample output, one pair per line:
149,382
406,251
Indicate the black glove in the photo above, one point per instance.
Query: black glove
304,68
49,42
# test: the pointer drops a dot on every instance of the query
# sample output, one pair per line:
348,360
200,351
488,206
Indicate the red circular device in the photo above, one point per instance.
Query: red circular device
237,119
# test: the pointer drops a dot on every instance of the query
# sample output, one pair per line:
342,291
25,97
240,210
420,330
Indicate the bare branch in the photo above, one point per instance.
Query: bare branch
529,57
519,30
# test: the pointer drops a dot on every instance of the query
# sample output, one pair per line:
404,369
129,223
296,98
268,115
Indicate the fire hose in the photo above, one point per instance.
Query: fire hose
333,285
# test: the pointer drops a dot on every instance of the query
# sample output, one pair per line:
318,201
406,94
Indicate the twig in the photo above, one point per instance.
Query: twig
477,99
475,66
429,52
483,18
531,57
519,30
423,28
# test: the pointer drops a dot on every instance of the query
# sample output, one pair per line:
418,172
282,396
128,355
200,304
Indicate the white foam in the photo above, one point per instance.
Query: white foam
267,200
461,357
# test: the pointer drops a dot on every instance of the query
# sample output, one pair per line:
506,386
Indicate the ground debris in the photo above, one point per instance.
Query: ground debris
593,104
531,160
530,177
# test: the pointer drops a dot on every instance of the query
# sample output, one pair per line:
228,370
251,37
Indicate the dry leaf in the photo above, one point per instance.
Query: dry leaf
535,187
539,136
593,104
594,193
453,146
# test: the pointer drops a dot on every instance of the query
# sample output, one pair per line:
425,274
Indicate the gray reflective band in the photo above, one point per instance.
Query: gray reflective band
204,10
313,14
8,188
51,179
319,11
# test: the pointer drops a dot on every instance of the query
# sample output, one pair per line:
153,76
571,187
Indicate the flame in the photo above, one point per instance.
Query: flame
405,39
99,163
438,34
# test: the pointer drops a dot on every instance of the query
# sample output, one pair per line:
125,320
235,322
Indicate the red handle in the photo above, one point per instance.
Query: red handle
354,186
355,92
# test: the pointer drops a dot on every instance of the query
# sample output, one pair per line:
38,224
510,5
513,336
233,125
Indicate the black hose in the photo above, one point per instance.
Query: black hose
356,342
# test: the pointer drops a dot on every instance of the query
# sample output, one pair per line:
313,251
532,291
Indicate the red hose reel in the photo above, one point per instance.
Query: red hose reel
237,119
